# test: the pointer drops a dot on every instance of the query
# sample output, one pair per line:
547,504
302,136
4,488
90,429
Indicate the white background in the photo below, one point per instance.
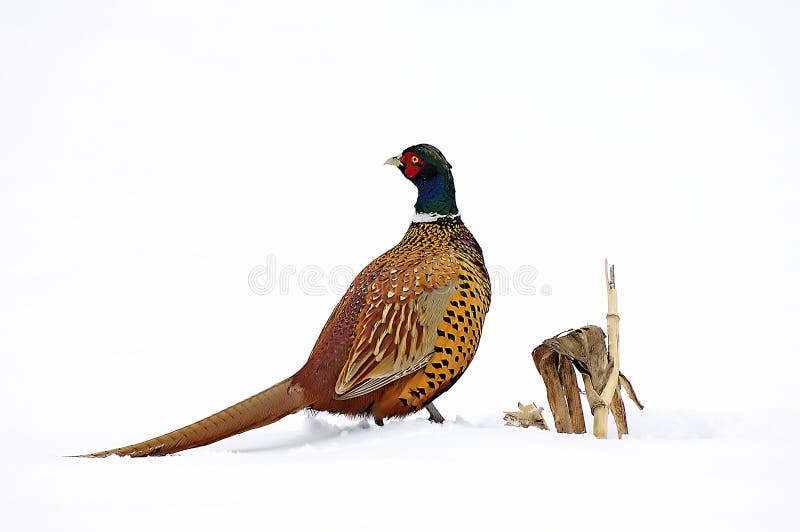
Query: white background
153,153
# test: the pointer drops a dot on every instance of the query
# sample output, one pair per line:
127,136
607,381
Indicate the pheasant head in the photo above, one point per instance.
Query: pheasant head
429,171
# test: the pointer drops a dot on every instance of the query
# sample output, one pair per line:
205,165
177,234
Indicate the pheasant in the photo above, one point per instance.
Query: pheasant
403,333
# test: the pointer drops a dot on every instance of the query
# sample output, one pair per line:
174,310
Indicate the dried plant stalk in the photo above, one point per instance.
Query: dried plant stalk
609,387
618,411
547,363
573,394
585,349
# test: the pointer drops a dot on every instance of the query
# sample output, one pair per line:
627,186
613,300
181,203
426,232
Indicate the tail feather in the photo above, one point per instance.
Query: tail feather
261,409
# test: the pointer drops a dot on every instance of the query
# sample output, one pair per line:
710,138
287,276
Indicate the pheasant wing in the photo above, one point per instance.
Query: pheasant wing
397,328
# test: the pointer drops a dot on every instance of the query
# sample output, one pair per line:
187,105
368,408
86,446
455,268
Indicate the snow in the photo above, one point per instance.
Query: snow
328,472
186,189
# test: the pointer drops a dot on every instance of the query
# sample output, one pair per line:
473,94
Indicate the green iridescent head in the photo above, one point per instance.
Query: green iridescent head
426,167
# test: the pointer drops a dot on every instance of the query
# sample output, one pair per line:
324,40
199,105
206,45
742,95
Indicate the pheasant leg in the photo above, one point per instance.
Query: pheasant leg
436,417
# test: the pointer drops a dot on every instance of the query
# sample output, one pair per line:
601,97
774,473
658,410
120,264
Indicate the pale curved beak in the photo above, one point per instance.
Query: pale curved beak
394,161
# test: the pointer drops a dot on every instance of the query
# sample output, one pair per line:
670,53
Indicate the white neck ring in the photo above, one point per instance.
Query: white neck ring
427,217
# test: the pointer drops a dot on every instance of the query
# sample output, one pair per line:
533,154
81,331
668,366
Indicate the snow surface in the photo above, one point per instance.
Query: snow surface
159,158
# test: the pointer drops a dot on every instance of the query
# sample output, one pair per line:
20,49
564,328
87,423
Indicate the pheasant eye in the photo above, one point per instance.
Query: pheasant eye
414,159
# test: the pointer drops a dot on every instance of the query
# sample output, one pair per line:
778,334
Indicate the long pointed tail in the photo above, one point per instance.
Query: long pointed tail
261,409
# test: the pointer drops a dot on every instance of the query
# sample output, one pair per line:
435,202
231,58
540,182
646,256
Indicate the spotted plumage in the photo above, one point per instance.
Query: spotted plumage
403,333
425,303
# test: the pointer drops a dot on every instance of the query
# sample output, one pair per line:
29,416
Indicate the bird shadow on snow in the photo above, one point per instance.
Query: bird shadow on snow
313,431
323,429
326,431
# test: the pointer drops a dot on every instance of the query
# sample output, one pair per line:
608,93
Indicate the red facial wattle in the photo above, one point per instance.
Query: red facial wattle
412,164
